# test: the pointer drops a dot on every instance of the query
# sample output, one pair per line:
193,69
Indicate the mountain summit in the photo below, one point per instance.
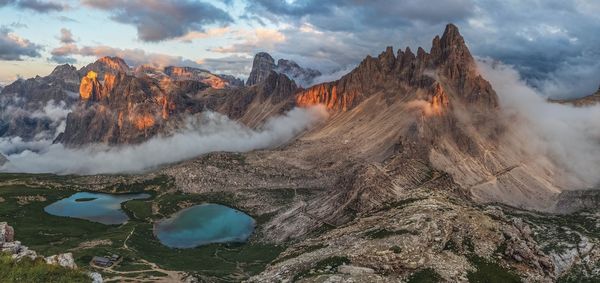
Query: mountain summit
263,64
448,64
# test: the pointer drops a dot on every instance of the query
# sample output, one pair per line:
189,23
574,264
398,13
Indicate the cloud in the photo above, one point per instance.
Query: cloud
35,5
239,66
14,47
55,112
361,15
66,36
134,57
252,41
570,136
211,132
158,20
41,6
210,33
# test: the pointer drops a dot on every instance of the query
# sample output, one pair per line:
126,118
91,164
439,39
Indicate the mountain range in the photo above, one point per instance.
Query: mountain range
415,144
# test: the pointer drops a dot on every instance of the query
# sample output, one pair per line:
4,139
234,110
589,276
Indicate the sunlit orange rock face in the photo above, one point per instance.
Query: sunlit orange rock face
439,101
89,85
109,84
326,94
113,63
143,122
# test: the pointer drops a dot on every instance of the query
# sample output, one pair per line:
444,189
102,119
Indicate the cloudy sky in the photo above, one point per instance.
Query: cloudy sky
553,43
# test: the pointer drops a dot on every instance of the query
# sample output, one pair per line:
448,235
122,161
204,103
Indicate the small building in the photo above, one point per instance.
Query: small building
115,257
101,261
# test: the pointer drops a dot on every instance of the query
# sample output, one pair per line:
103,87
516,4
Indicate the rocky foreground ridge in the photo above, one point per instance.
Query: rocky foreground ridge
19,252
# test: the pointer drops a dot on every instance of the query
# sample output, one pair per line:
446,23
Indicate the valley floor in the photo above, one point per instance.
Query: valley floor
425,235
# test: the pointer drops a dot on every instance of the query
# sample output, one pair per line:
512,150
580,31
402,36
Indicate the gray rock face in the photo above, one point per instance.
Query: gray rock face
19,251
263,64
27,107
96,277
301,75
65,260
7,233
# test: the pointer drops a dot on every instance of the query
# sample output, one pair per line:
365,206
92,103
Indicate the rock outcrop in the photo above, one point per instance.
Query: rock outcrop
65,260
263,64
7,233
19,251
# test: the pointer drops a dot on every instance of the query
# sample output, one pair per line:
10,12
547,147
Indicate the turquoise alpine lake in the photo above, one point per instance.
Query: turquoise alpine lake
204,224
97,207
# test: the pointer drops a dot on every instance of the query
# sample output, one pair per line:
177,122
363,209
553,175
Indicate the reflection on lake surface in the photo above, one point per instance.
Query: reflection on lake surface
97,207
204,224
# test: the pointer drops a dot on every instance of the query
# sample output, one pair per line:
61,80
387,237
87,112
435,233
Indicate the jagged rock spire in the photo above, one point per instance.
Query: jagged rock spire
262,66
450,63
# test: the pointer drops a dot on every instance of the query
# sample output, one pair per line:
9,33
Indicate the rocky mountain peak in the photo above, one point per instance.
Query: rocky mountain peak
104,65
89,87
449,64
114,63
262,66
451,48
63,71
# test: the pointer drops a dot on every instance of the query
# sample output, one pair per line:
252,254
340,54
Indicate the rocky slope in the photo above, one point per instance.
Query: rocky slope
433,110
263,64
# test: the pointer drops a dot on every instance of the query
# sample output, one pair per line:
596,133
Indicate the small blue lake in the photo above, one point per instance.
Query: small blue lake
97,207
204,224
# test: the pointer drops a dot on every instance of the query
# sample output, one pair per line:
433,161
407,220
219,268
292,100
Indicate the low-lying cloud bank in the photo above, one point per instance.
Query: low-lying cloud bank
209,132
568,135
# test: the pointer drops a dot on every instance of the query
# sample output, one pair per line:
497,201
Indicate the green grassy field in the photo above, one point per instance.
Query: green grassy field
134,240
